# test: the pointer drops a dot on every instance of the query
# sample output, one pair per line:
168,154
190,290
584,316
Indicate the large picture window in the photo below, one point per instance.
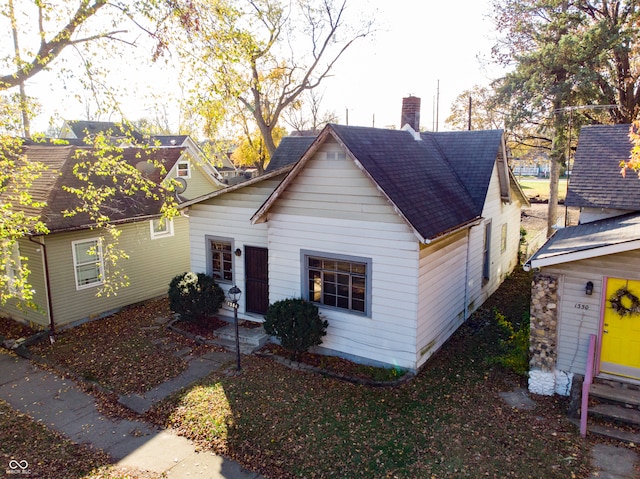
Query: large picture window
341,282
87,262
221,259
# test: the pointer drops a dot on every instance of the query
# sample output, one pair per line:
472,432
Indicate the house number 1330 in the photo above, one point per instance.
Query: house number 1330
581,306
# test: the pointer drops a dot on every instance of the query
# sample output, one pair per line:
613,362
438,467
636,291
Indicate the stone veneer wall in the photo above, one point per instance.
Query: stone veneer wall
543,345
544,322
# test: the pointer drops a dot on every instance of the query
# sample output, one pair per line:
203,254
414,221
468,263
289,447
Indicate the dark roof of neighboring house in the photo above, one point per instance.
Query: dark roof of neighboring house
170,140
59,162
596,181
589,240
82,128
290,150
438,182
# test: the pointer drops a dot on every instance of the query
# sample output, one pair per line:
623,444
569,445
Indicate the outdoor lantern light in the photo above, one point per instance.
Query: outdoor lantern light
588,289
234,296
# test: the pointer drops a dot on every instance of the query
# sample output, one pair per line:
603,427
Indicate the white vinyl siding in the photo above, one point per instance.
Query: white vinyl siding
333,208
500,264
229,216
442,293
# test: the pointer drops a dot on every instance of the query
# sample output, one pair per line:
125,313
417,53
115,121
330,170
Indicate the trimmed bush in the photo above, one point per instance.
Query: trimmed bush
195,296
296,323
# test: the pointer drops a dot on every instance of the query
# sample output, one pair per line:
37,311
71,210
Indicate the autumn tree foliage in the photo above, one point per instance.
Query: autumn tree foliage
251,60
571,63
42,33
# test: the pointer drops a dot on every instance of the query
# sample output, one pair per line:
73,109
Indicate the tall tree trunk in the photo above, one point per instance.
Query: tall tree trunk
552,212
557,155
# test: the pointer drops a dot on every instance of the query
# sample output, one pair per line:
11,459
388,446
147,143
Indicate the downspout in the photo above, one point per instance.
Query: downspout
466,277
52,323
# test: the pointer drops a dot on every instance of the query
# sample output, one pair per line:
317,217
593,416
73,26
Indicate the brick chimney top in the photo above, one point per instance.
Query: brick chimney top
411,112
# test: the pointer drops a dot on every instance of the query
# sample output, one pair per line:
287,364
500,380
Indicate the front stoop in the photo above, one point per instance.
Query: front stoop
614,410
250,339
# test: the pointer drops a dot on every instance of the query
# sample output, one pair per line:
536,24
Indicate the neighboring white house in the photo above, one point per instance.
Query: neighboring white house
397,236
585,272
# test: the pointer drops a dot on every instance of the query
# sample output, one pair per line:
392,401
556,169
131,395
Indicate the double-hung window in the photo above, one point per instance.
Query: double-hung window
87,263
12,265
183,169
341,282
221,259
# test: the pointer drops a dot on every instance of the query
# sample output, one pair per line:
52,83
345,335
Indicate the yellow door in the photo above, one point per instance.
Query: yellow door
620,354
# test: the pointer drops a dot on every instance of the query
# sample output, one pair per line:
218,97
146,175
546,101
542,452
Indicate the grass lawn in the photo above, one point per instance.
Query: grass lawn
449,422
534,187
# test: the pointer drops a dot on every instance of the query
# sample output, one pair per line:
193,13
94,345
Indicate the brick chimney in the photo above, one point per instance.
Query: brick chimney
411,112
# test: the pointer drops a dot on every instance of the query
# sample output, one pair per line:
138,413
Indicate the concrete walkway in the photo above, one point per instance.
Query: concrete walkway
62,406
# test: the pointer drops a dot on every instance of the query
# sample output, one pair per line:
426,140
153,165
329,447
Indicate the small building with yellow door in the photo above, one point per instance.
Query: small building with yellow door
587,277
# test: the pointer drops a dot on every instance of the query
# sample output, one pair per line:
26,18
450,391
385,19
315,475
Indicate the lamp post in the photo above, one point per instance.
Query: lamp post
234,297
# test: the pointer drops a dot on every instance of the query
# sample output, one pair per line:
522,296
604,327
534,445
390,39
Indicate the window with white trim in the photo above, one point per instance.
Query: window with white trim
503,238
338,281
220,252
486,254
161,228
12,265
183,169
87,263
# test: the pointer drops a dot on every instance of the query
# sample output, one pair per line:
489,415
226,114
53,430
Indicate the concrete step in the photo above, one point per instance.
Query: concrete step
255,337
616,394
616,413
230,345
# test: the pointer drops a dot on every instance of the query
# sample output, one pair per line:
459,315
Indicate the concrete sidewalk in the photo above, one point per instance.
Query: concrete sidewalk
63,407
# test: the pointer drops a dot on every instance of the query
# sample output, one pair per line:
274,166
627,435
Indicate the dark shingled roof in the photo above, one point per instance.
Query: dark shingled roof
588,237
472,155
290,150
59,162
414,175
82,128
596,180
438,182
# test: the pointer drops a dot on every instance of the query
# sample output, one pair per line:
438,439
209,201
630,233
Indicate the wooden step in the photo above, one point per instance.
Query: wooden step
616,413
610,432
616,394
613,433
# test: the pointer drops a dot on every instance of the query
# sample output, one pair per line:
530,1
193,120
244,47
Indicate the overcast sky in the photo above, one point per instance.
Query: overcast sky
418,45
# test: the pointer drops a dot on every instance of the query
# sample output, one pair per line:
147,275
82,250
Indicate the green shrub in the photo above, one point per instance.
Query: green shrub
296,323
514,344
195,296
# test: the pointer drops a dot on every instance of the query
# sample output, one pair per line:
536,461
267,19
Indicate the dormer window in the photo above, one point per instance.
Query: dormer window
183,169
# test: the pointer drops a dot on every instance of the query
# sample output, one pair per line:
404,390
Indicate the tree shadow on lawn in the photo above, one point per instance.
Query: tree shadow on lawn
448,422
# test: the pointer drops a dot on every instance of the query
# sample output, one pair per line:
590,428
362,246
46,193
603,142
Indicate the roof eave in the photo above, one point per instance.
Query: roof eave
586,253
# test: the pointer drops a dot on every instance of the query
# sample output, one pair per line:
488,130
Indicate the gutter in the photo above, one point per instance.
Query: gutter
47,282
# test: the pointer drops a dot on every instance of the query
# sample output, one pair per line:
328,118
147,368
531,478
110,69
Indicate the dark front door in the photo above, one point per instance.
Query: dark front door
256,263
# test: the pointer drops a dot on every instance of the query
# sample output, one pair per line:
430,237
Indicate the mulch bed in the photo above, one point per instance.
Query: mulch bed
202,327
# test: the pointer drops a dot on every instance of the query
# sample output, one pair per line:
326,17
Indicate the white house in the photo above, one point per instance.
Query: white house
397,236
